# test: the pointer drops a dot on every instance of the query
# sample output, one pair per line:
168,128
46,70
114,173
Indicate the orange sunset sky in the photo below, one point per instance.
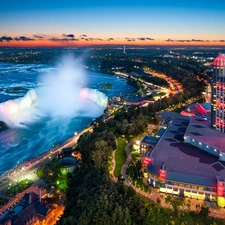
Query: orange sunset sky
99,23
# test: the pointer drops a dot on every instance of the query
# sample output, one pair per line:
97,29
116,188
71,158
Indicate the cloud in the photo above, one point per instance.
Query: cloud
145,38
186,40
150,39
69,35
38,36
141,39
23,38
88,39
183,41
197,40
63,39
83,35
95,39
110,39
5,38
221,40
170,40
130,39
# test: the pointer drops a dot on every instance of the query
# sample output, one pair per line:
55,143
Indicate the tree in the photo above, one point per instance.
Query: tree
204,211
158,201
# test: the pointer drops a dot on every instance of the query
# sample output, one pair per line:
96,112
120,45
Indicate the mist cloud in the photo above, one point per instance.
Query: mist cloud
63,94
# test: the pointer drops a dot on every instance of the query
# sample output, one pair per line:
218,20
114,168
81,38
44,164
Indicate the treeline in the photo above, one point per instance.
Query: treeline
155,80
192,87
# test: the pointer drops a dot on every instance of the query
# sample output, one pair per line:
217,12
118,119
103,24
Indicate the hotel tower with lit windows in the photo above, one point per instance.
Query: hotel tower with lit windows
218,93
188,159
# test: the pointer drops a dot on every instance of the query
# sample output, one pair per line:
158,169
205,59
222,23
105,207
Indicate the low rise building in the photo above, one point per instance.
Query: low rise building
32,210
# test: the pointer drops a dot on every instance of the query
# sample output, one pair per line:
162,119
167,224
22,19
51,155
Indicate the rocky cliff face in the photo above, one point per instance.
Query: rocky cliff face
3,126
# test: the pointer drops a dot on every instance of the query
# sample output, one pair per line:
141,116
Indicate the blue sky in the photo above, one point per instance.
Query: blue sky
160,20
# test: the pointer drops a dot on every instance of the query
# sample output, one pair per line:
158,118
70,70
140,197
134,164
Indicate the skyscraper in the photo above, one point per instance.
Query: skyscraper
218,93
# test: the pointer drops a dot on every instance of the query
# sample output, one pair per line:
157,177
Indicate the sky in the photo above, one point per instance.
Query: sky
79,23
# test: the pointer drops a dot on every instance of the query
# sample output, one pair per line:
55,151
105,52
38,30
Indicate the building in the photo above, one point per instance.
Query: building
66,152
68,160
147,144
195,109
69,164
188,160
218,94
32,210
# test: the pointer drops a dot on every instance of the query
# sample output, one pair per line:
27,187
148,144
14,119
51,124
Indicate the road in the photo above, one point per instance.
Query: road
143,81
175,86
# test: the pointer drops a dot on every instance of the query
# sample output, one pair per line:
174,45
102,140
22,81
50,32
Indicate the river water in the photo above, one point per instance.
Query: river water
35,137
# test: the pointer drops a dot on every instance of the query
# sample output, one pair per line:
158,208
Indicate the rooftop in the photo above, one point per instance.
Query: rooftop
200,129
219,60
149,140
184,161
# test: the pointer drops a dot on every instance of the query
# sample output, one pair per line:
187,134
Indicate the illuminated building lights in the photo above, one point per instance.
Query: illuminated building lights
162,174
220,188
147,161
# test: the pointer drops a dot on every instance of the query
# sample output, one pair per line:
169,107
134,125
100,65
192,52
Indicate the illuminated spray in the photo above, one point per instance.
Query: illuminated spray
63,94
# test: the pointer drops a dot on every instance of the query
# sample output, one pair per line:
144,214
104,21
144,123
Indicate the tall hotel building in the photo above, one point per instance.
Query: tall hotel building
218,94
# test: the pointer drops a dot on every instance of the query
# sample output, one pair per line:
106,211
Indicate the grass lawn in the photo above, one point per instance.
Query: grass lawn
120,157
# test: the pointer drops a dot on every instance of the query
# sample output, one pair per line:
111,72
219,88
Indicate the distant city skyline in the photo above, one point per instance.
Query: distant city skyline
89,23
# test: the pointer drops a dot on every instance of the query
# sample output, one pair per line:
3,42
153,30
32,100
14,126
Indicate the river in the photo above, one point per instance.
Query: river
36,136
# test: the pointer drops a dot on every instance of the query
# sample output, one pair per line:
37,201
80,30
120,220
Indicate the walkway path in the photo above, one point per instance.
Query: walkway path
114,166
155,194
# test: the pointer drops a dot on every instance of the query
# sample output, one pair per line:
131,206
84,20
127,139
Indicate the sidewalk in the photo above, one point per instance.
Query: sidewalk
155,194
115,179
